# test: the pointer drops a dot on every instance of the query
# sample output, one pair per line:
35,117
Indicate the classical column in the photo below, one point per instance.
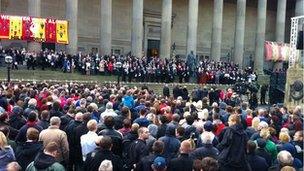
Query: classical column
239,32
260,36
137,27
106,27
217,30
34,10
192,26
280,23
165,36
299,8
71,16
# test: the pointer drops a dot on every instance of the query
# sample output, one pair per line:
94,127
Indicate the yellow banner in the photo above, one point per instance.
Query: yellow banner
62,31
38,28
15,31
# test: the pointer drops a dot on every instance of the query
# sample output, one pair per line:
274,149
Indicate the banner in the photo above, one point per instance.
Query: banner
26,28
274,51
38,29
15,31
62,31
4,27
50,30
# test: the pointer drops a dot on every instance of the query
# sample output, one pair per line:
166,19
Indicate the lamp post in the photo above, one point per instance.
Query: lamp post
8,61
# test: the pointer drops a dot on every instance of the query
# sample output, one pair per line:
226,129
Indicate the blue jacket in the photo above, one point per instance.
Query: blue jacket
171,143
128,101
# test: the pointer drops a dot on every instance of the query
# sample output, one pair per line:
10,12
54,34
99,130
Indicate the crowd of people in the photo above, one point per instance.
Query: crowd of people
74,126
130,68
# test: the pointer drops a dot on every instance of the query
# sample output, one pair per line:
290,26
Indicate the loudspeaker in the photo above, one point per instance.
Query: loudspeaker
300,40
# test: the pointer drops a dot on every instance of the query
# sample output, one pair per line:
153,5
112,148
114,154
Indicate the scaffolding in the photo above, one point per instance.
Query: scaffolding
296,22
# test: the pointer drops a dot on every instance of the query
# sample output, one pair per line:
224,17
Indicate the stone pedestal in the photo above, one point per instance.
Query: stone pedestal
294,88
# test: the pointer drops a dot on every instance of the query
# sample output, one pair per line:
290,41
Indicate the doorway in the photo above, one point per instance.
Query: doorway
153,47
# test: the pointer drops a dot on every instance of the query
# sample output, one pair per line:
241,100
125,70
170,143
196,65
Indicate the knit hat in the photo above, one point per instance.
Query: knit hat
159,163
208,126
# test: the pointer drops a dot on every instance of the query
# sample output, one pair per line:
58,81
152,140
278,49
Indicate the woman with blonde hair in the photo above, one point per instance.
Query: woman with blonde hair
6,152
250,130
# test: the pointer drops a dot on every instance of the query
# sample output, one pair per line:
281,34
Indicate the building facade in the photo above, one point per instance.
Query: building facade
220,29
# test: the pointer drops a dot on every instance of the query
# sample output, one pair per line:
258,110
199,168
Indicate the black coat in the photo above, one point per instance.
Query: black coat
233,149
257,163
207,150
166,91
17,121
26,153
264,154
146,162
116,139
94,159
183,163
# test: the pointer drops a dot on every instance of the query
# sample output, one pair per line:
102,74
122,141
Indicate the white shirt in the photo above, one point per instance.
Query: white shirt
87,142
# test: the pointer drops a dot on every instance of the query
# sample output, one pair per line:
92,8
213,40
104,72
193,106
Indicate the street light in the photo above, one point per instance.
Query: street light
8,61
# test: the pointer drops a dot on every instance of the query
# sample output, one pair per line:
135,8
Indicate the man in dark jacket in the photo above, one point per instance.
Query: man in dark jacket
16,119
26,152
172,144
166,91
207,149
184,162
261,151
256,162
31,122
46,160
104,152
44,120
146,162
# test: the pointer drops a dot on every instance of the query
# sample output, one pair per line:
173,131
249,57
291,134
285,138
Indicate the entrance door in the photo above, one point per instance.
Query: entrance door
153,47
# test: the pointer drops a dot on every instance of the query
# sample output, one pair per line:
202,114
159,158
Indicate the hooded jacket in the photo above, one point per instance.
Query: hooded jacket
44,162
26,153
171,143
6,156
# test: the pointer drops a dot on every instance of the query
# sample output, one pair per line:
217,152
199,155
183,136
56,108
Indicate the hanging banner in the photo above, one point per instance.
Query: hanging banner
4,27
267,51
62,31
274,51
26,28
38,29
15,31
50,30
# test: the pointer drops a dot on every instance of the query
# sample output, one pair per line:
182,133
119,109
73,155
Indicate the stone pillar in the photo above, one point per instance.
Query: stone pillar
280,27
34,10
137,27
106,27
192,26
299,8
260,36
239,32
71,16
165,36
217,30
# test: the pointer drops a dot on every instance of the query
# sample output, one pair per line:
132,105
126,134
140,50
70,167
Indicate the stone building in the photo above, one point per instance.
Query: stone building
221,29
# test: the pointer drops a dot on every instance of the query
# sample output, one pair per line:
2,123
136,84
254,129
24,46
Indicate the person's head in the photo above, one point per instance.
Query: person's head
251,146
5,130
207,138
180,131
143,133
32,117
234,119
126,123
106,143
109,105
32,134
32,102
265,133
185,147
298,136
45,115
79,116
255,123
175,117
3,141
51,149
109,121
285,158
284,137
158,147
159,164
208,126
55,121
106,165
210,164
92,125
13,166
288,168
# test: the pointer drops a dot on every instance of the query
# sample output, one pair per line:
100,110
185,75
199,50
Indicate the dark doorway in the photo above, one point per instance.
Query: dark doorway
153,47
49,46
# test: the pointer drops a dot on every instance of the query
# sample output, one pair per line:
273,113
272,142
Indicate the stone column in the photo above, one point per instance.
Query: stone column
165,36
239,32
260,36
217,30
71,16
34,10
106,27
280,22
192,26
299,8
137,27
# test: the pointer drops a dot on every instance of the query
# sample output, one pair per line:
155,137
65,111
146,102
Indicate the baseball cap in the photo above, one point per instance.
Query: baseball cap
159,163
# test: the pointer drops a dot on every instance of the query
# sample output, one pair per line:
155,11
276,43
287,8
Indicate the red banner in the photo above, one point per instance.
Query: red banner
26,28
50,30
4,27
